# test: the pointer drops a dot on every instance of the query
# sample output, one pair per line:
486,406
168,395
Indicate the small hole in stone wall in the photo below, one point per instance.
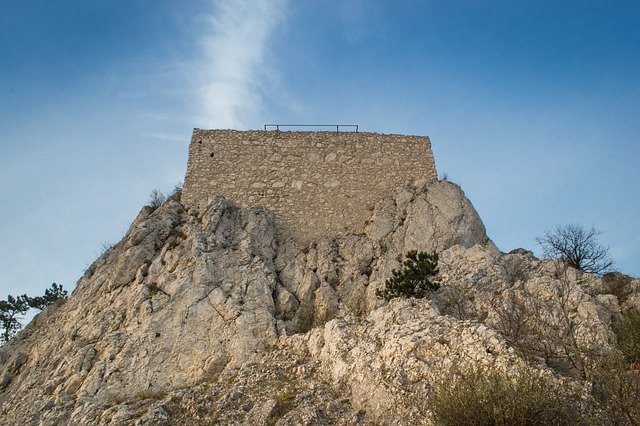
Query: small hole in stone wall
200,142
211,155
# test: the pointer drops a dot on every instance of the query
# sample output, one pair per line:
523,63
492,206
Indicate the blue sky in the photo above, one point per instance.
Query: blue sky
532,106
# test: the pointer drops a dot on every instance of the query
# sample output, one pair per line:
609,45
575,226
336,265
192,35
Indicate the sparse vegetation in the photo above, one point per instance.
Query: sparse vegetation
104,247
617,284
176,192
142,395
10,315
153,289
12,309
415,279
515,316
558,339
576,247
515,269
616,387
456,302
491,396
156,198
556,336
284,402
627,330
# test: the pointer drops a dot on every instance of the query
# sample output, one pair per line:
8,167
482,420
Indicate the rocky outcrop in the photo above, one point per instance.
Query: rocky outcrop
200,315
181,297
330,275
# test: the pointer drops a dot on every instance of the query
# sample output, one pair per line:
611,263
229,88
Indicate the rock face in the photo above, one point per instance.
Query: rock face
178,299
202,316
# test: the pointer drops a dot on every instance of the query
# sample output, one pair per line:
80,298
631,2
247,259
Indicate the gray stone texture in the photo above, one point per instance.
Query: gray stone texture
317,183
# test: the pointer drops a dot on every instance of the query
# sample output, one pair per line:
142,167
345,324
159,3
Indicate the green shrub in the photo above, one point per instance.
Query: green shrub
13,308
415,279
51,295
489,396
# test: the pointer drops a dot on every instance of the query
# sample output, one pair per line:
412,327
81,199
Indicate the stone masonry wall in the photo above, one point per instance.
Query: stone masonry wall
317,183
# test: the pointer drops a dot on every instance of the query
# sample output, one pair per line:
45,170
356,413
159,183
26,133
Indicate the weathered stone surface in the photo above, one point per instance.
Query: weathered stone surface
389,361
181,298
202,316
318,184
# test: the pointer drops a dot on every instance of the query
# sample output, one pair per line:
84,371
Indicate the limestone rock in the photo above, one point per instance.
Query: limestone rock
202,316
389,361
183,296
423,216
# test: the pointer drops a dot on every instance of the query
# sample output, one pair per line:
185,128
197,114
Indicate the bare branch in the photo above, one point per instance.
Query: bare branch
577,247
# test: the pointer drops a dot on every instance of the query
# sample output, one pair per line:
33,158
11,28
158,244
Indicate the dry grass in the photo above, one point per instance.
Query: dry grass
489,396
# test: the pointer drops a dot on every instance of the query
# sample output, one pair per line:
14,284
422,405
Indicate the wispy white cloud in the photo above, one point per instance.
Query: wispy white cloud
164,136
234,68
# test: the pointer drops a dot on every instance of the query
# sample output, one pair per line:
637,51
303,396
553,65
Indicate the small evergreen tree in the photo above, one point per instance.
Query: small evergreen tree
12,308
10,311
51,295
415,279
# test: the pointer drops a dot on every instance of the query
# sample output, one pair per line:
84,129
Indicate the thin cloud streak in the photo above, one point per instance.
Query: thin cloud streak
235,67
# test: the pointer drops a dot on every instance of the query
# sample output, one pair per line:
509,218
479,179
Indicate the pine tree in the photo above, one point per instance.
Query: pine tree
51,295
415,279
10,310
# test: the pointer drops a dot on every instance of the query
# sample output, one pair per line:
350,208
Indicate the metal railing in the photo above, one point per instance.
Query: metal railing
337,126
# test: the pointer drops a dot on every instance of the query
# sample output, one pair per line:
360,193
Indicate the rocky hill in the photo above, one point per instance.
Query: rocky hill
201,316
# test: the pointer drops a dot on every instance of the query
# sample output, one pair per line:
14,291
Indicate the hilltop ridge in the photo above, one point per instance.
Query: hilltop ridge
204,314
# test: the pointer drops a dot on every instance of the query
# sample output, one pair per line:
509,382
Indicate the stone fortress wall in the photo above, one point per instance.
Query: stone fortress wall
316,183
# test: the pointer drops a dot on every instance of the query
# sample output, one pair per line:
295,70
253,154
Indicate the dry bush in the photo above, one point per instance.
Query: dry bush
616,387
515,319
156,199
459,303
617,284
515,269
490,396
627,330
546,328
176,192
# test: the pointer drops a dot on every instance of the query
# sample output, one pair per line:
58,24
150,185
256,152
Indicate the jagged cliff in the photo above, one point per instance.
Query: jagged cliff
200,315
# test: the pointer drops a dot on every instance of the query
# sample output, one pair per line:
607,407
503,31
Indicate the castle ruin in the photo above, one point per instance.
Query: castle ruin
316,183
